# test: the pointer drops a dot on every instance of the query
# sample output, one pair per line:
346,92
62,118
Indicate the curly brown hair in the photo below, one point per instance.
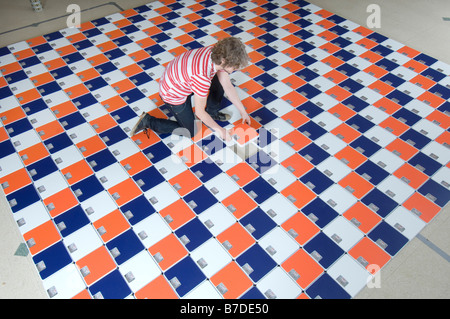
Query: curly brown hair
231,51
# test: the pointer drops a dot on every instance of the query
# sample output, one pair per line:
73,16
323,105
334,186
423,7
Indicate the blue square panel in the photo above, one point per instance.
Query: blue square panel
259,189
113,135
257,223
316,180
148,178
42,168
388,238
379,202
22,198
256,262
125,246
58,143
18,127
71,220
193,234
205,170
435,192
253,293
157,152
326,287
324,250
112,286
137,209
261,161
319,212
365,146
101,160
314,153
312,130
184,276
87,188
424,163
52,259
200,199
372,172
415,138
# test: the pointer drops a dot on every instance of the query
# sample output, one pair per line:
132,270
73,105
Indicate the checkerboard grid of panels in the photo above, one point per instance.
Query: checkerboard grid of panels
348,155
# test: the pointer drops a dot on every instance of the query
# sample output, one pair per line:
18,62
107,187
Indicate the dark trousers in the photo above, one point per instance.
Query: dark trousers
184,115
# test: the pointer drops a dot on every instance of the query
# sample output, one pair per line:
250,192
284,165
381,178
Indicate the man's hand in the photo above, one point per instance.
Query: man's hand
224,134
245,118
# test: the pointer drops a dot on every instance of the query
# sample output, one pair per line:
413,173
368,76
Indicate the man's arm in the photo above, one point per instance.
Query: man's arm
232,95
200,105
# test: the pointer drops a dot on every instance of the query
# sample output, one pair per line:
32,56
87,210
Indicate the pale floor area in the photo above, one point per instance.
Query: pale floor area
420,270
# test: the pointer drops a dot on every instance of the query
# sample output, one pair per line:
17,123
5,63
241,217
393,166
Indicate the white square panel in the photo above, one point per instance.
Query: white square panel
343,233
419,108
82,242
67,156
437,151
278,285
334,169
205,290
428,129
395,188
139,270
406,222
25,140
111,175
50,184
279,177
278,244
98,206
380,136
31,216
338,198
81,133
221,186
349,274
65,283
279,208
151,230
170,167
442,176
211,257
373,114
330,143
387,160
162,195
124,149
217,218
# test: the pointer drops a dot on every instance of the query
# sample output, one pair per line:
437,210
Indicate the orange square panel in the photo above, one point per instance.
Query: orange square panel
332,61
431,99
33,153
252,71
15,180
362,217
159,288
177,214
411,175
299,194
297,165
168,251
409,52
114,103
416,66
235,239
10,68
64,109
143,141
103,123
356,184
49,130
342,112
251,87
386,105
394,126
331,49
42,78
12,115
422,207
41,237
77,171
123,86
381,87
185,182
3,135
305,266
367,253
193,154
439,118
111,225
55,64
422,81
91,145
124,191
294,81
233,279
95,265
402,149
98,59
294,99
295,118
135,163
243,133
251,104
338,93
239,203
76,91
335,76
296,140
60,202
242,173
28,96
351,157
300,227
376,71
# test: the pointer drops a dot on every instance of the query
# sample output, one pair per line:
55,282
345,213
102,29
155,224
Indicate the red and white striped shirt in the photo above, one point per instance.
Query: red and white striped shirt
190,72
